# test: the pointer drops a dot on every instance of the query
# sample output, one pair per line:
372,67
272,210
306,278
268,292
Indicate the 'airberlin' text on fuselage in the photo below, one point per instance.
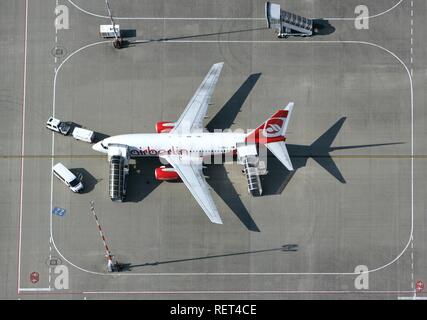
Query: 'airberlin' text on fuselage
155,153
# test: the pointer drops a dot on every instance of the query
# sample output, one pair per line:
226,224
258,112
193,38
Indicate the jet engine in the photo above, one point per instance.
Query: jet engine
164,127
164,173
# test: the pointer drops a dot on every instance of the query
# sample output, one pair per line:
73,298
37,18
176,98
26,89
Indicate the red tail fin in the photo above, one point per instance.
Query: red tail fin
273,130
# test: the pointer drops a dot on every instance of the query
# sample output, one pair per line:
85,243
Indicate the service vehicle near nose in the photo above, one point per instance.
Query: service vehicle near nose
67,177
83,134
58,126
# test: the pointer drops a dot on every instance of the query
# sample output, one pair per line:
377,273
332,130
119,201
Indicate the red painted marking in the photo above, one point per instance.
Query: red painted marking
419,286
34,277
164,127
280,114
276,139
268,132
165,174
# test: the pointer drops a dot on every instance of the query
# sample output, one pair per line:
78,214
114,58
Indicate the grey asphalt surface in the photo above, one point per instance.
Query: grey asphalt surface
303,238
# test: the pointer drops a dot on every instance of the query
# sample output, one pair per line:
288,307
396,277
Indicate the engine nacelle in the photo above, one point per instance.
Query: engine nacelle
164,127
164,173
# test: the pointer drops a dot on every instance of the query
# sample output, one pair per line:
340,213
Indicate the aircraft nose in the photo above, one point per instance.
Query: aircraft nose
97,147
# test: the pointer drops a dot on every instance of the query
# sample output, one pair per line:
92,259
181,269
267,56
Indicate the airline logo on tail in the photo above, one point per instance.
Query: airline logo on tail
272,130
273,127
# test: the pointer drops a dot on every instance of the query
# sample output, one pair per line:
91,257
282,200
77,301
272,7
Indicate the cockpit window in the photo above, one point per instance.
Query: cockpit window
102,145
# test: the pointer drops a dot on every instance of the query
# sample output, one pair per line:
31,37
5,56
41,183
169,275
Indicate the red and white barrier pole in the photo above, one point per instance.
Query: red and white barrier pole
109,256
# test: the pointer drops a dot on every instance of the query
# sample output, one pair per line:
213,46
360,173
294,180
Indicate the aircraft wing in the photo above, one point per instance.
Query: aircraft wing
193,115
190,171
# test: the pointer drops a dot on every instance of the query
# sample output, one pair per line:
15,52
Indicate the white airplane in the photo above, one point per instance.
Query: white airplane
183,144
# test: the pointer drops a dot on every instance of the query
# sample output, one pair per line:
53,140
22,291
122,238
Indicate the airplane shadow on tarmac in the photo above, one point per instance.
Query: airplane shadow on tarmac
141,179
142,182
278,176
224,119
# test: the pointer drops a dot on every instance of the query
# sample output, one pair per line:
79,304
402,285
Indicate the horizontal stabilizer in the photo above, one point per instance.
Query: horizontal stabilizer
280,152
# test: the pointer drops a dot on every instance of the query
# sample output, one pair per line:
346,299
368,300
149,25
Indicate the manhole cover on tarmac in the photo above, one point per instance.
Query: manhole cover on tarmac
52,262
58,51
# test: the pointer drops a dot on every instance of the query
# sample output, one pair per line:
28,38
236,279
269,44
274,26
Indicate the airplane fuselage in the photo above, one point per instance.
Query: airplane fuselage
158,144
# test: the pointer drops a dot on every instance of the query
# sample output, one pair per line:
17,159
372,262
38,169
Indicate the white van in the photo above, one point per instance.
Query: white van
66,176
83,134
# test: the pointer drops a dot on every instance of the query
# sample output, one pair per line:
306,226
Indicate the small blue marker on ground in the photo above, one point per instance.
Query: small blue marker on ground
58,211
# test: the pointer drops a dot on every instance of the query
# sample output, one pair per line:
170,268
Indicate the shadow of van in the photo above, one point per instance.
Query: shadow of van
88,180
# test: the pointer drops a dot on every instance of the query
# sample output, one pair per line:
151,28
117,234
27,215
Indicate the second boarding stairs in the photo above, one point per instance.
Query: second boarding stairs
286,23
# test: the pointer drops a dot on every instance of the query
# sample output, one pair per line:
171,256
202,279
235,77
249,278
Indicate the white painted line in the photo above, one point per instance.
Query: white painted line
53,150
56,29
34,289
215,18
51,177
49,267
249,292
157,18
22,145
370,17
260,273
412,168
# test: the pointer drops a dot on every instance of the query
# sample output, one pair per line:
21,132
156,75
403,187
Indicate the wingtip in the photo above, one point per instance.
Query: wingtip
217,221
